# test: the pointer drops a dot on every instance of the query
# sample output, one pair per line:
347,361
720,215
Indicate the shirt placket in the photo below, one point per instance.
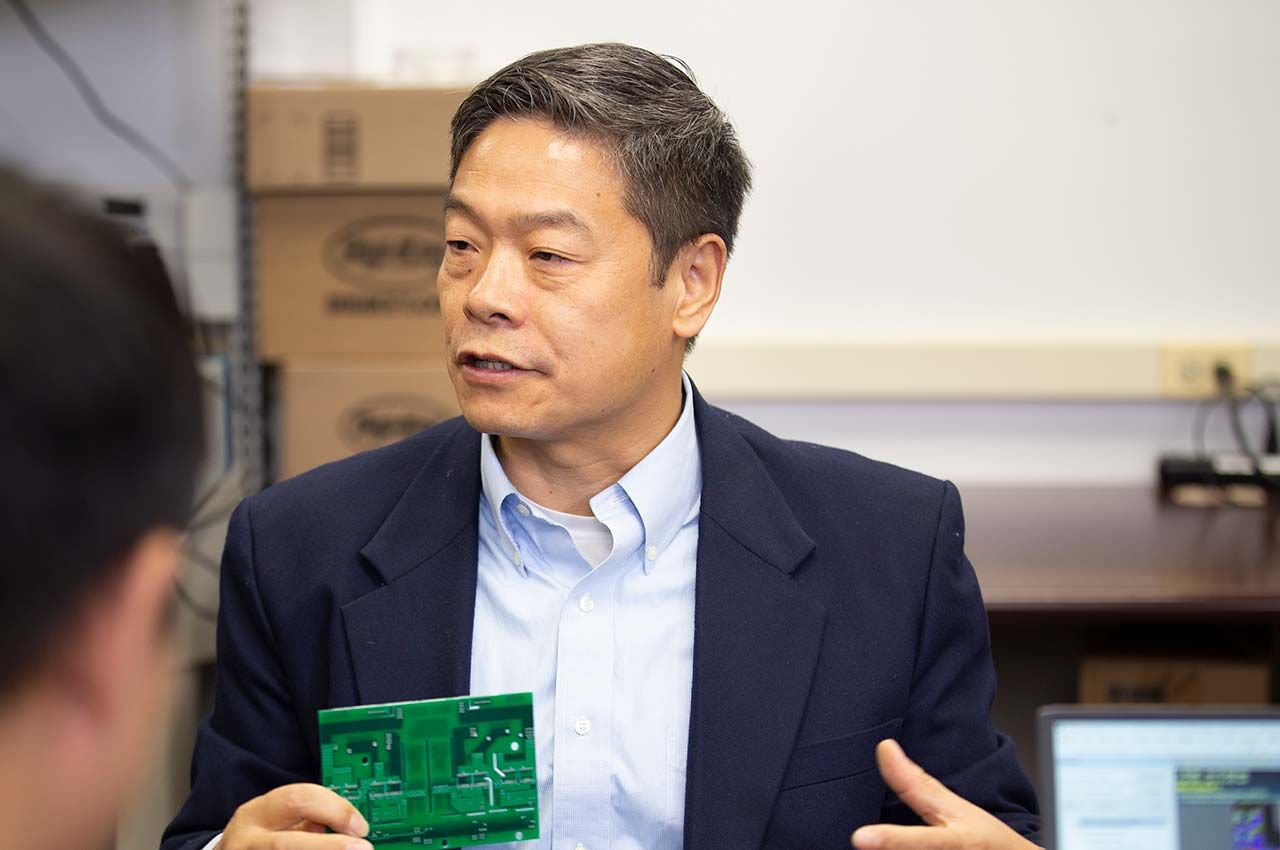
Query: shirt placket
584,733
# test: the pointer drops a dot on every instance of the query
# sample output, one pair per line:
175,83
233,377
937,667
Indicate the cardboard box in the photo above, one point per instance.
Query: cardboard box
336,137
342,275
329,410
1174,681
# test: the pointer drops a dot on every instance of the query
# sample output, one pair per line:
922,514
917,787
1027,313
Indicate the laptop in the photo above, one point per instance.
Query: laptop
1153,778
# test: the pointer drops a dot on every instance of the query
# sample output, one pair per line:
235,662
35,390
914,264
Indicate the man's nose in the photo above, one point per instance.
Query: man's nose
496,294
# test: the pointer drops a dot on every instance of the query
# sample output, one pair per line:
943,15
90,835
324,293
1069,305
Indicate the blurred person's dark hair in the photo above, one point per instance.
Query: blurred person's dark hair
682,167
100,414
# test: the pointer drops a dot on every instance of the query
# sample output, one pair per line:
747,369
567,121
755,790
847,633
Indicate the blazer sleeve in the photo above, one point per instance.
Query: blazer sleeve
251,742
947,729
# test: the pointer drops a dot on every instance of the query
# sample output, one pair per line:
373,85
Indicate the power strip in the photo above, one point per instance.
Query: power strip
1219,479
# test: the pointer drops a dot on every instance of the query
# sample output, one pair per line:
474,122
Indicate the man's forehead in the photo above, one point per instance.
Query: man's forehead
528,174
534,138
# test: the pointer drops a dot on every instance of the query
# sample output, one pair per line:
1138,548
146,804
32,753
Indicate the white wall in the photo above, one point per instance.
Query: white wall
963,169
1006,443
301,38
970,170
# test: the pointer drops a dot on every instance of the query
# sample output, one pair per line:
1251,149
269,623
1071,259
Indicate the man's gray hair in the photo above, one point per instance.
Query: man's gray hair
683,172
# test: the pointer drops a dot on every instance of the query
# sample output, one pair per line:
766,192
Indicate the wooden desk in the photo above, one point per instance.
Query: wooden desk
1072,572
1118,550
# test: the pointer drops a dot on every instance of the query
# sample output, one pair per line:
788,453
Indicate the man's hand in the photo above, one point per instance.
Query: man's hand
953,823
293,817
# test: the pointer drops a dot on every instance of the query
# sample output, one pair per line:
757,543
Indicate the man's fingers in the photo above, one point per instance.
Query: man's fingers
888,837
926,796
310,841
286,806
308,826
954,823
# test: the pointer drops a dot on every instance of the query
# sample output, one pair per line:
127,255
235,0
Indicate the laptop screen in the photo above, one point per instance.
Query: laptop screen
1191,783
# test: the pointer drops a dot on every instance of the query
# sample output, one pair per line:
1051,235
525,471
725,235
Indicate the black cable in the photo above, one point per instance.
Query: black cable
1265,393
1229,393
204,498
205,512
1204,410
80,81
1231,396
184,596
1242,438
1199,433
203,501
114,124
1269,480
216,516
203,561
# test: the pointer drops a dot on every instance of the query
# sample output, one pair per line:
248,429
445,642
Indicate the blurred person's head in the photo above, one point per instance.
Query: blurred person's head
100,437
595,199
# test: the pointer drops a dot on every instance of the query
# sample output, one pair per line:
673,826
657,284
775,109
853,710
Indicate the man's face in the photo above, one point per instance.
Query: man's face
552,324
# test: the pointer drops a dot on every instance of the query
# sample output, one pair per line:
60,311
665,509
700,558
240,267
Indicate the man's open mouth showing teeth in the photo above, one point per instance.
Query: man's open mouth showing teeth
488,364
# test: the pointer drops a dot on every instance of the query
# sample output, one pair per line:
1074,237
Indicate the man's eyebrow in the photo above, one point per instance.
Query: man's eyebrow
452,203
562,219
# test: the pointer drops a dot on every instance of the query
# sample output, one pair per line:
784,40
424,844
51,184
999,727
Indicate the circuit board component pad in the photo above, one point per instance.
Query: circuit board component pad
456,772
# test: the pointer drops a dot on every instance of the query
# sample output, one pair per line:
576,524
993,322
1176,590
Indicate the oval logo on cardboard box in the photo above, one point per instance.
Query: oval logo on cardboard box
376,421
391,254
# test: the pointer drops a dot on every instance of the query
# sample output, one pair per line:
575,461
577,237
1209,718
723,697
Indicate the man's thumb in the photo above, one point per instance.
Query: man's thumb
926,796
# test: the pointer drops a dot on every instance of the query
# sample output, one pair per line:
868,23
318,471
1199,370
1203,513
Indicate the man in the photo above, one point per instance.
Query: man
100,436
718,626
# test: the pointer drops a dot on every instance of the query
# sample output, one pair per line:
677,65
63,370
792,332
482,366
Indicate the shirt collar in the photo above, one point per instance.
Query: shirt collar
496,488
665,486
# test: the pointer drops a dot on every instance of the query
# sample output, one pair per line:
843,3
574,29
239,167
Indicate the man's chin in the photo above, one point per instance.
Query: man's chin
492,419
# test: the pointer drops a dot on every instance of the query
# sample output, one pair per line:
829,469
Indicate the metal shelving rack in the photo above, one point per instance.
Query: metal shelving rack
248,413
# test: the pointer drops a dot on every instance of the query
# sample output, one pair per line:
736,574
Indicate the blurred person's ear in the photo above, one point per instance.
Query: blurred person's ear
122,635
106,689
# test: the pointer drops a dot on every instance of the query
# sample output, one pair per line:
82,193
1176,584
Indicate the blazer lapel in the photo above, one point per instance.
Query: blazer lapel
411,637
756,642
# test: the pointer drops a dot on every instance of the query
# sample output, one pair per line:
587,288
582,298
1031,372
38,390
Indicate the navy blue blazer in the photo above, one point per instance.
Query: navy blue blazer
834,608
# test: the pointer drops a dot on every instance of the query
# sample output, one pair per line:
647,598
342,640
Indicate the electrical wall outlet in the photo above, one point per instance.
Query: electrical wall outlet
1187,371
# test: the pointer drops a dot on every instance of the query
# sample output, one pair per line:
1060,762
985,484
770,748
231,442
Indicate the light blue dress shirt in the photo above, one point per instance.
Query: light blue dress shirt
607,652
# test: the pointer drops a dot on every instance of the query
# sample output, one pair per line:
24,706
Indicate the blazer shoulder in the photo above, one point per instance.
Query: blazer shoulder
813,475
369,483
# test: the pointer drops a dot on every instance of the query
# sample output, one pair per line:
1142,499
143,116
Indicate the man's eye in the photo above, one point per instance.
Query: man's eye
549,257
457,244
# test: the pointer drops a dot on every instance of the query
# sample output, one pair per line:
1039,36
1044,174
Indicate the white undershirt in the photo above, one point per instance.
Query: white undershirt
592,537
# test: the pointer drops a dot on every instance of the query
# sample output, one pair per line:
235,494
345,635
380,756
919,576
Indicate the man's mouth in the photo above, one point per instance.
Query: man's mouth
487,362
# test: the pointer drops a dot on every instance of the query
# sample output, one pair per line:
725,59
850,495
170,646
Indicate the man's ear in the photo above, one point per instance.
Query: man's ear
115,637
698,272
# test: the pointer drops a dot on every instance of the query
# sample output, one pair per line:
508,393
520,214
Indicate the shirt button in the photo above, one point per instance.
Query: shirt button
651,553
582,726
580,846
516,559
522,509
586,603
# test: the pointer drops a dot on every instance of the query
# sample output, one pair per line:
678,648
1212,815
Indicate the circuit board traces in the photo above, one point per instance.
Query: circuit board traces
456,772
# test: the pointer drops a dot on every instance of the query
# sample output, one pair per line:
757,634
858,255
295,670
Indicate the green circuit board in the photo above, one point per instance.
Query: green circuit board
456,772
